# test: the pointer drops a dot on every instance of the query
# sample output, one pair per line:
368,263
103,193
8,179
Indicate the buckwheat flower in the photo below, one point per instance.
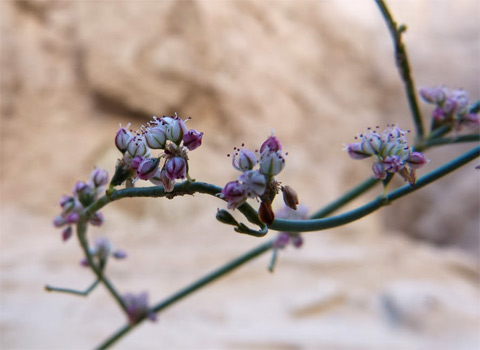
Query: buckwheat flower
452,107
137,147
85,193
271,144
148,168
99,177
156,136
175,128
192,139
67,233
244,159
97,219
284,238
271,163
72,218
391,152
59,221
235,194
135,162
122,138
137,307
176,168
253,182
161,178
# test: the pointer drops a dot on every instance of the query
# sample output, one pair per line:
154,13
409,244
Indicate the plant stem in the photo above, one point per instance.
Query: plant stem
342,219
401,59
98,270
186,291
73,291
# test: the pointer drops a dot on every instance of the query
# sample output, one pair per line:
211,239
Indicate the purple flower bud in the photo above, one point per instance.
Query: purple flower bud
235,194
271,163
272,144
175,129
244,160
66,201
59,221
72,218
392,164
192,139
434,95
438,114
416,160
82,189
470,120
122,139
254,183
148,168
67,233
356,151
137,307
176,168
461,101
99,177
135,163
119,254
282,240
297,240
378,171
97,219
156,137
103,248
137,147
84,262
290,197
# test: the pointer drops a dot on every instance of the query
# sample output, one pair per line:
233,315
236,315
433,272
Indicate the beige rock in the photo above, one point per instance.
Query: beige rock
318,72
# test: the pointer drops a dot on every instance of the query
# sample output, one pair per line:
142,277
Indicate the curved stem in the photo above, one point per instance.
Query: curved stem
186,291
342,219
98,270
73,291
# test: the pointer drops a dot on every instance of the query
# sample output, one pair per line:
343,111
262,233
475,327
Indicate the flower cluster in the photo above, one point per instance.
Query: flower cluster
84,194
102,250
452,107
294,238
169,134
391,152
254,183
137,307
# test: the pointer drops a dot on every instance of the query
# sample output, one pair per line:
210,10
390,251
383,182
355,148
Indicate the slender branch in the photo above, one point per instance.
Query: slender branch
401,59
342,219
73,291
346,198
449,140
186,291
98,270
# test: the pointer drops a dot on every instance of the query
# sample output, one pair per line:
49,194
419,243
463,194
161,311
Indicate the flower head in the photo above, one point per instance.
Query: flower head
452,107
390,150
137,307
167,134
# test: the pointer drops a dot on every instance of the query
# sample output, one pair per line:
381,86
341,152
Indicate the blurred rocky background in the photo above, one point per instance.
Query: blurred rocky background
317,72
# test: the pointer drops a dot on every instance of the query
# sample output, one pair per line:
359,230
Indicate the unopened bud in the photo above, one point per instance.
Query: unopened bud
290,197
192,139
122,138
265,213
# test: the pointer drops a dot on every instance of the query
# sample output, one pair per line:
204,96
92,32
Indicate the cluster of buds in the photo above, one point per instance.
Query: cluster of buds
137,307
452,108
391,152
168,134
102,250
258,182
84,194
294,238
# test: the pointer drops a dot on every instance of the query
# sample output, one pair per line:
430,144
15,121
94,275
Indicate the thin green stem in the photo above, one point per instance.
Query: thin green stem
98,270
73,291
342,219
186,291
401,59
449,140
346,198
